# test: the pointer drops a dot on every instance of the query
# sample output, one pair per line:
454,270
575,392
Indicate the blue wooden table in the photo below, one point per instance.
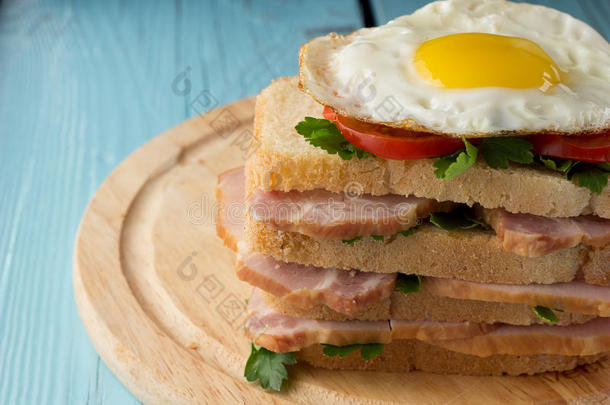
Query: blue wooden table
83,84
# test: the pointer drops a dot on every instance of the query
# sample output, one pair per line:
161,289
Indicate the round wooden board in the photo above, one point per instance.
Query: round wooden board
156,291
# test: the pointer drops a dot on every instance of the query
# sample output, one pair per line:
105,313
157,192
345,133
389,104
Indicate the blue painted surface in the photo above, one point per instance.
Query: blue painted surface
594,12
83,84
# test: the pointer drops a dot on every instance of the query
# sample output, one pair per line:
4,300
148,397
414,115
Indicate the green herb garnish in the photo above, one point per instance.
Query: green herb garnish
590,176
324,134
408,283
407,232
557,165
352,241
268,367
594,177
367,351
497,152
459,219
546,314
447,167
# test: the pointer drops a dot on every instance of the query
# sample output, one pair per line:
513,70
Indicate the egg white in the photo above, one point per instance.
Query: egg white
369,74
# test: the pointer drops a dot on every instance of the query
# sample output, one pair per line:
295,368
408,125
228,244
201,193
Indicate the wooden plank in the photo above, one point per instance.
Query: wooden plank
593,12
83,84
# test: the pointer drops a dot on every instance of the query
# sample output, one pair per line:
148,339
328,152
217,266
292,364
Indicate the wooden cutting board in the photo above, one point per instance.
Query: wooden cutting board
156,291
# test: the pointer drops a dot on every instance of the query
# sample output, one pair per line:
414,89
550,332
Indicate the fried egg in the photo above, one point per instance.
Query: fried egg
467,67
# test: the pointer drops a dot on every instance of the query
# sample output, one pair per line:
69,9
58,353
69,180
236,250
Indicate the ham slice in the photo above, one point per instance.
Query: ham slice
282,333
575,296
432,330
230,194
584,339
322,214
534,236
308,286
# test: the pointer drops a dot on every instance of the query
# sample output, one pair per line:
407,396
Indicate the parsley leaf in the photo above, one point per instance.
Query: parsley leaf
458,219
593,177
341,351
447,167
408,283
408,232
546,314
371,350
443,163
563,167
367,351
586,175
379,238
324,134
268,367
498,151
352,241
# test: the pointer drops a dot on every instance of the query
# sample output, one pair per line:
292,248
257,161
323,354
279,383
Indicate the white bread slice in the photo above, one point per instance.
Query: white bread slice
425,306
408,355
283,160
471,255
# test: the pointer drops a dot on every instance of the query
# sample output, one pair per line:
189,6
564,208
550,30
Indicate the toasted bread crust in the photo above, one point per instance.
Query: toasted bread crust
471,255
283,160
409,355
425,306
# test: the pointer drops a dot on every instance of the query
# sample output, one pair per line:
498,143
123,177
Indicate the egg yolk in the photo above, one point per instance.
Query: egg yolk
485,60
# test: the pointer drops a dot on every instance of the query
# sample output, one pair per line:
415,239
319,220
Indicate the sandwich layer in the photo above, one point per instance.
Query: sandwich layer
318,293
329,293
471,255
284,161
426,306
410,355
283,333
325,215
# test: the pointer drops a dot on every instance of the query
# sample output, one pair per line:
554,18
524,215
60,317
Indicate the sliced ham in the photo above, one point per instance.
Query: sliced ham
230,194
322,214
575,296
282,333
308,286
534,236
432,330
584,339
349,291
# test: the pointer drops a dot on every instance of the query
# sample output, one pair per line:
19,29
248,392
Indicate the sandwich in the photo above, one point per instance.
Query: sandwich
431,194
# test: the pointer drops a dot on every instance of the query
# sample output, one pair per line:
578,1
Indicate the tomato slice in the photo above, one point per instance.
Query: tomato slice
588,148
401,144
392,143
